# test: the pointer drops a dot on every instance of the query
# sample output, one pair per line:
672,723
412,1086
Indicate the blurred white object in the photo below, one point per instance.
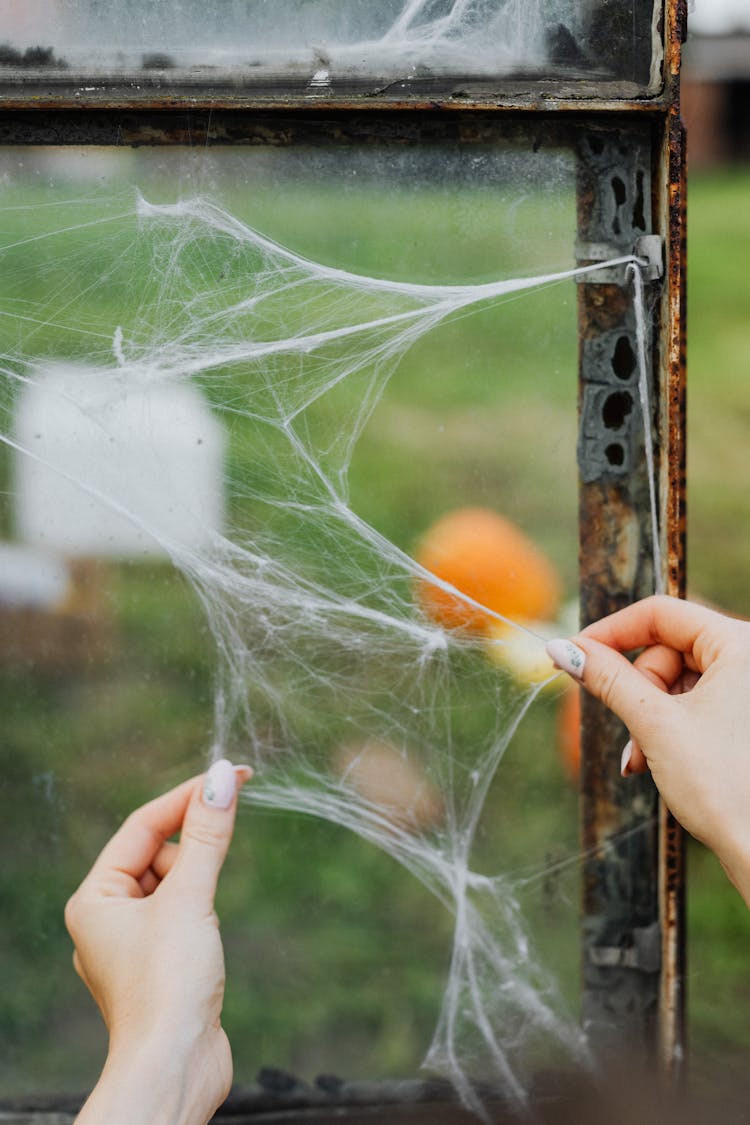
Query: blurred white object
32,579
115,469
719,17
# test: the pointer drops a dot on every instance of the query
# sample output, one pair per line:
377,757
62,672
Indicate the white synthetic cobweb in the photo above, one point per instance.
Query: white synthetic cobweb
321,643
392,37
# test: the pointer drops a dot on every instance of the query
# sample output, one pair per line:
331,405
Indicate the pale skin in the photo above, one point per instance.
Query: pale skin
147,946
686,702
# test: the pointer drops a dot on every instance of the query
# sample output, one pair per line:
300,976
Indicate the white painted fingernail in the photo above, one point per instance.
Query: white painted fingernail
220,785
627,754
567,656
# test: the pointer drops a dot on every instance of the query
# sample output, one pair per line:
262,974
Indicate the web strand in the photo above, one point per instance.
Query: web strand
639,305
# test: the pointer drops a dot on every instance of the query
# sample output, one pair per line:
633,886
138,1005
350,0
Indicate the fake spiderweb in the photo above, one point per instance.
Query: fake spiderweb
331,679
395,37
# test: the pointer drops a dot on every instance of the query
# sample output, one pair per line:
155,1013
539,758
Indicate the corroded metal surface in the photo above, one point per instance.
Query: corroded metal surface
200,127
151,99
672,177
634,873
620,904
297,88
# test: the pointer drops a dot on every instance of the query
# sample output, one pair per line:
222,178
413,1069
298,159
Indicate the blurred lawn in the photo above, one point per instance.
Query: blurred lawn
336,956
719,559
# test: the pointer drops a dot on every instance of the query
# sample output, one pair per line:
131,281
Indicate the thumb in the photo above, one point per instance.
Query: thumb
207,828
611,677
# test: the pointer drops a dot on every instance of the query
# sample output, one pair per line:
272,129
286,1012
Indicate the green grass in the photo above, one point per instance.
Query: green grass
719,389
719,555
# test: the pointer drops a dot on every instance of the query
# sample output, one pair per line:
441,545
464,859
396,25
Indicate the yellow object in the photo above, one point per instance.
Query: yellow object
521,654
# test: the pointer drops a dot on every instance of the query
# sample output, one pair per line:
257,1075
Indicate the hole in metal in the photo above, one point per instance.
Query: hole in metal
616,408
615,453
618,189
623,358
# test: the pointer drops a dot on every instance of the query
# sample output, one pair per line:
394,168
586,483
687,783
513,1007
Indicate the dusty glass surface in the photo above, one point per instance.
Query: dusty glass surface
338,956
327,42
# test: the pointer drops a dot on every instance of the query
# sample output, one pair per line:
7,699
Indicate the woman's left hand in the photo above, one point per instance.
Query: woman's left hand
147,945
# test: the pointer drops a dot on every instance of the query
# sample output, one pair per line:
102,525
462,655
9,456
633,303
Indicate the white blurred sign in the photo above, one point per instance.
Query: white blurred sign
719,17
115,469
32,579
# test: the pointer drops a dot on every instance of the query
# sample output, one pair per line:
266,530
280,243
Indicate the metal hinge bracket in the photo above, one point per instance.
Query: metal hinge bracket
643,951
649,248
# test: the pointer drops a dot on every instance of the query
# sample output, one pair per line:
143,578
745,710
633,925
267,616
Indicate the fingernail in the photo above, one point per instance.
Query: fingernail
625,759
242,773
567,656
220,785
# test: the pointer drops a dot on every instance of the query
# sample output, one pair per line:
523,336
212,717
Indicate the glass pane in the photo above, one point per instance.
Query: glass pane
328,43
254,436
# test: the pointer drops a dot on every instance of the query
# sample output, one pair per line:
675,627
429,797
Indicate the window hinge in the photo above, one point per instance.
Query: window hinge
642,952
649,248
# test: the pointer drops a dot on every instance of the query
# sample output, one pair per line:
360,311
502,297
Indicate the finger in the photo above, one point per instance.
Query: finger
161,865
207,830
148,882
661,664
631,694
130,852
663,667
163,861
691,629
685,683
633,759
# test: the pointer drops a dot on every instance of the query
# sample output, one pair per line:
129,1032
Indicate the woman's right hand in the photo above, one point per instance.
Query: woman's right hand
686,702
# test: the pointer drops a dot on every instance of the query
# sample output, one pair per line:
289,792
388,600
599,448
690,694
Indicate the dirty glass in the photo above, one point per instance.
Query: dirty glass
327,44
118,265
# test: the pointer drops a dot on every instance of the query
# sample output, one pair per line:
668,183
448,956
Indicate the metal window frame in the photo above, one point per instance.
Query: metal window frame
633,912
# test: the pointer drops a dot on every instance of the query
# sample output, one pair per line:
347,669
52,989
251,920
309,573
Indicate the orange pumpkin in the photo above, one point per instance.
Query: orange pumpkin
487,557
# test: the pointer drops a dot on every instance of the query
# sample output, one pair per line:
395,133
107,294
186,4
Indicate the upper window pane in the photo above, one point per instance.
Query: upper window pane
320,45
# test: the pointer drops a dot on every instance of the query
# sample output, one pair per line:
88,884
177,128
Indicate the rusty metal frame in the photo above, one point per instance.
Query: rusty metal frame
633,882
566,83
633,895
621,948
671,209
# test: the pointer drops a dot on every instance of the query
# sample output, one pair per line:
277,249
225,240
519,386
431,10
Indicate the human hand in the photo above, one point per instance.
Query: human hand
686,702
147,946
